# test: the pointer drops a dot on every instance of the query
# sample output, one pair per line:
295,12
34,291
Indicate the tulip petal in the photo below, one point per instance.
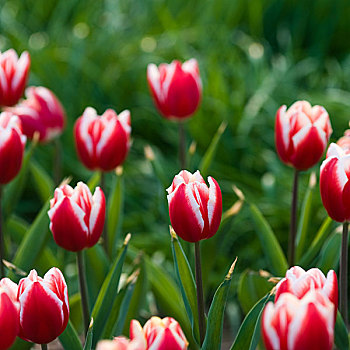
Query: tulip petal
214,206
9,321
97,216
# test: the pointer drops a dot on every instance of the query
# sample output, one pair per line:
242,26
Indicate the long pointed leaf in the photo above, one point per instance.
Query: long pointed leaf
89,336
341,337
330,253
69,338
43,182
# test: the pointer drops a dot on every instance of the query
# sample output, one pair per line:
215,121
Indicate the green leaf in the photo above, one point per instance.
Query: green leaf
213,336
249,327
108,292
272,250
89,336
115,212
341,337
186,282
94,180
69,338
330,253
211,151
33,242
306,212
317,243
43,182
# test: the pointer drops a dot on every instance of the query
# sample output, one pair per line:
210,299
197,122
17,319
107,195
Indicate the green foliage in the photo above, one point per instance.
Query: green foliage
341,336
69,338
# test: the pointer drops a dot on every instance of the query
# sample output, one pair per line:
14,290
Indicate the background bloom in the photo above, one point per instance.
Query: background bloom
301,134
77,217
44,307
176,88
194,208
102,142
13,76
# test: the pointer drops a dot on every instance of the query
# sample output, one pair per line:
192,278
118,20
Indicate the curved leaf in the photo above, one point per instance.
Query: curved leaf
70,339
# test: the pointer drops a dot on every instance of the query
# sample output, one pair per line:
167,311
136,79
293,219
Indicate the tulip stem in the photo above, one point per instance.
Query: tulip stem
2,253
44,346
293,220
83,290
182,145
57,161
200,296
104,232
344,274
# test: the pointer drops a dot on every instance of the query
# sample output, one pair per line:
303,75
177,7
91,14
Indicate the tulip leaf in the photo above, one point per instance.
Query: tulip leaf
247,332
70,339
33,242
43,182
273,252
115,212
89,336
213,336
211,151
341,337
330,253
186,282
106,297
317,243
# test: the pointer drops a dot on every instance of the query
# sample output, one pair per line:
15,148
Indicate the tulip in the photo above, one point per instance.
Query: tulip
344,142
77,217
194,208
41,112
299,282
301,134
44,307
294,324
120,343
176,88
102,142
9,313
13,76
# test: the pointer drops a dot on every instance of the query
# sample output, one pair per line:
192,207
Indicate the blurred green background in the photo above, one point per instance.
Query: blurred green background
253,55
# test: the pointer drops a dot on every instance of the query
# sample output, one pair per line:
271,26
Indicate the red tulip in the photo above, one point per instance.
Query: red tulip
298,282
176,88
44,307
77,217
295,324
41,112
102,142
13,76
301,134
335,184
194,208
9,313
12,143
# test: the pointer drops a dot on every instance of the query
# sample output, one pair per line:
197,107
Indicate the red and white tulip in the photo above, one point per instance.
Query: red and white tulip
13,76
176,88
195,209
9,313
44,307
41,112
102,142
344,142
77,217
293,324
302,133
12,144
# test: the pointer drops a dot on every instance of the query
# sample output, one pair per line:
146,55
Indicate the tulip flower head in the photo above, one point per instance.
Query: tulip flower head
9,313
77,217
12,143
194,208
344,142
41,112
294,324
301,134
335,184
44,307
102,142
13,76
176,88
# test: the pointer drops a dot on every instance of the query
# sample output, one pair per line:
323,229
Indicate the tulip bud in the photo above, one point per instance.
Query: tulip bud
176,88
301,134
13,76
298,282
102,142
41,112
9,313
194,208
12,143
335,184
44,307
77,217
294,324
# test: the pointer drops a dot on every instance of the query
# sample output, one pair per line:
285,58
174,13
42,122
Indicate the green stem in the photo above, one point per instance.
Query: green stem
2,244
44,346
104,232
200,296
182,145
293,220
344,274
83,290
